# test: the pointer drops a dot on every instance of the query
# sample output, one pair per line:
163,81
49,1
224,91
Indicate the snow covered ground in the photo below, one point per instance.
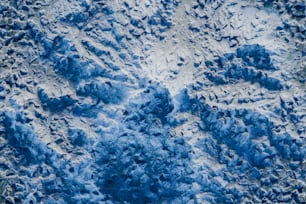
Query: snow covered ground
168,101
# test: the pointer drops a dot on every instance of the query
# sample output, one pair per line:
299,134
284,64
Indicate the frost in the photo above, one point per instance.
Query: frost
169,101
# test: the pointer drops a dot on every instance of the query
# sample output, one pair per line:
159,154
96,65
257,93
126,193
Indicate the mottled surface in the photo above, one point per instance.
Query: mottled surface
169,101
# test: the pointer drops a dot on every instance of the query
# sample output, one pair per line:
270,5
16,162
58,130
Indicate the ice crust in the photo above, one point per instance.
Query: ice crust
169,101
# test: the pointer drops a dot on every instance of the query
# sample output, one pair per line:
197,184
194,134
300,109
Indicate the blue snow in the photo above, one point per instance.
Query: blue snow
109,132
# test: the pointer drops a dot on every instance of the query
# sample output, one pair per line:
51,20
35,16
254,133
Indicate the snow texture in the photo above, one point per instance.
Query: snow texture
167,101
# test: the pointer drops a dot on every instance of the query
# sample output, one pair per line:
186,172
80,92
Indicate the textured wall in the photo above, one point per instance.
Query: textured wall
166,101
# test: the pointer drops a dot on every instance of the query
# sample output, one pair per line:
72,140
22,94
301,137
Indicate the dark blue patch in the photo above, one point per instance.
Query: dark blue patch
107,92
227,71
55,104
256,56
141,163
77,136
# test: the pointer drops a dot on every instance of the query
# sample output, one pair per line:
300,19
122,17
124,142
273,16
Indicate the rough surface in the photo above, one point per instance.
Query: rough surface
168,101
